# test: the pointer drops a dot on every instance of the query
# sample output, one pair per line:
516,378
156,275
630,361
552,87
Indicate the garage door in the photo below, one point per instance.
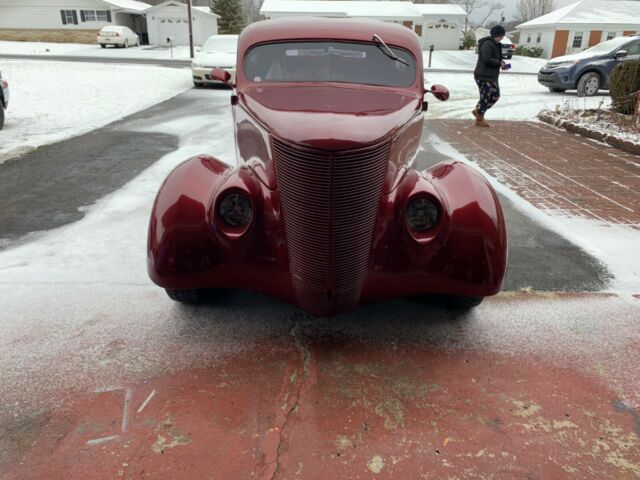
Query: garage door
443,36
176,27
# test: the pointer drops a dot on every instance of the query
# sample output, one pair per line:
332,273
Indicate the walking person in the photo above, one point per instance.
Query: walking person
487,72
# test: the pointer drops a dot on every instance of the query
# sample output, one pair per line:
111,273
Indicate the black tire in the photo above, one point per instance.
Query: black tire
126,44
195,296
198,84
589,84
557,90
103,45
1,116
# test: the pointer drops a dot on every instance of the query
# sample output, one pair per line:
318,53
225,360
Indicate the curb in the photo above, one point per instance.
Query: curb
614,141
175,63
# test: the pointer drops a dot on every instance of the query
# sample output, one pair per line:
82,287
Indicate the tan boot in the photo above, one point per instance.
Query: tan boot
481,122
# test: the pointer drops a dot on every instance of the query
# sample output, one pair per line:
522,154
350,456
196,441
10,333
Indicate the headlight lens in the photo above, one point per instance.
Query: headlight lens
235,210
422,214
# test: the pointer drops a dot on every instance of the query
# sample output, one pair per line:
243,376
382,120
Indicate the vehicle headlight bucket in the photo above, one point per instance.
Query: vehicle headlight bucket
235,209
422,214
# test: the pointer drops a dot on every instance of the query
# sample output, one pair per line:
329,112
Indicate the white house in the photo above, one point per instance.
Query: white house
170,19
435,24
68,20
581,25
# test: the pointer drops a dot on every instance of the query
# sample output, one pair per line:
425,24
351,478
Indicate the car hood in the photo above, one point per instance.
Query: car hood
331,117
217,59
576,57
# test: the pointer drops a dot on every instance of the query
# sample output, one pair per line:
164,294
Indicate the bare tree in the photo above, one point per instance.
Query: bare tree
529,9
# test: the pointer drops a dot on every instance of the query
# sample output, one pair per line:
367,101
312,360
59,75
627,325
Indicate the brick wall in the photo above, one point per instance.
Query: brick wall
56,36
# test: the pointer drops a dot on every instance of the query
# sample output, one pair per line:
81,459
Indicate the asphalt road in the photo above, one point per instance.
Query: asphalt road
51,187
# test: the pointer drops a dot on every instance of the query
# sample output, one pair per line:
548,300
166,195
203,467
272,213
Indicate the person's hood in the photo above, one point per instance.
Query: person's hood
329,116
216,59
485,39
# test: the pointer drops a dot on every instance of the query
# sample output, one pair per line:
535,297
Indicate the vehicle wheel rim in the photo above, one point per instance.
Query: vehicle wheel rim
592,86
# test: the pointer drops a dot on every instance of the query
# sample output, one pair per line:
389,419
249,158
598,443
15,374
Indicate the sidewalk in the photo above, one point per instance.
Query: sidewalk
552,169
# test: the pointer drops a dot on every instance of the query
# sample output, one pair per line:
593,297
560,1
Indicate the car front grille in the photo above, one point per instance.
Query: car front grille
329,203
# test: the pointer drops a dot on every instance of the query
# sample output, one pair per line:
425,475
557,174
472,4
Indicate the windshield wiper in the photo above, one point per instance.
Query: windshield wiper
388,52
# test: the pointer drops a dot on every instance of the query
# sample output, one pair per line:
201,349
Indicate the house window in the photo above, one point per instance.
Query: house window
611,35
95,15
539,38
408,24
529,38
577,40
69,17
419,30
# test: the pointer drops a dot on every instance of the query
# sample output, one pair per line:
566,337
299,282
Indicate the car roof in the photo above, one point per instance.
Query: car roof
316,28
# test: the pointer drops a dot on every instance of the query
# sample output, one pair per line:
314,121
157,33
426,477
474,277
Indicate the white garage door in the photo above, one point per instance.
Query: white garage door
443,36
176,27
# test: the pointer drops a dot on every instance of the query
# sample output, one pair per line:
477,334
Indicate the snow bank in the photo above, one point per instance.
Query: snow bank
52,101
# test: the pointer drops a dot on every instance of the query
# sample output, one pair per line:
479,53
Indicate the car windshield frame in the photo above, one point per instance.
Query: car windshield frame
227,41
339,49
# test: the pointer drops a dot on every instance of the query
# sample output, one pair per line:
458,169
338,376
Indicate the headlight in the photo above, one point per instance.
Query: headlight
422,214
561,65
235,210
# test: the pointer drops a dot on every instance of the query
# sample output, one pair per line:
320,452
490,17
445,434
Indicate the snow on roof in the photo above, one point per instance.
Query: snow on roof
177,3
603,12
440,9
129,5
358,8
206,10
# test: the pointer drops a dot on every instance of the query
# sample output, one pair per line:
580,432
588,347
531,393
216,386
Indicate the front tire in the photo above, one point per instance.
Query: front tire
198,84
102,45
589,84
193,296
126,44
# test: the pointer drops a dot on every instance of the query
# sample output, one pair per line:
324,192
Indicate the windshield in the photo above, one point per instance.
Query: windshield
221,44
608,46
361,63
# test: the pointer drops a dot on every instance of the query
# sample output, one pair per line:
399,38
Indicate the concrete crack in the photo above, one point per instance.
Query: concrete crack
305,354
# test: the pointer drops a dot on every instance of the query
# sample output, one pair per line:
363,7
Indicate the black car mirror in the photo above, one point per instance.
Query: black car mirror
621,54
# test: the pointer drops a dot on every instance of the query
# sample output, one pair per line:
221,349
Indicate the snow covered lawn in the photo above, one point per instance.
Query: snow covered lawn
466,60
88,50
51,101
522,97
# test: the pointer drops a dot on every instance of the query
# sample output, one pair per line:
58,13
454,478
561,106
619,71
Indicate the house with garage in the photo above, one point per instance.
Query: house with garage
68,20
436,24
169,20
581,25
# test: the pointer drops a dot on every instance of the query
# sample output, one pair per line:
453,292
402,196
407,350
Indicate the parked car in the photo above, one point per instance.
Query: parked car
4,99
118,37
219,51
325,209
589,71
507,47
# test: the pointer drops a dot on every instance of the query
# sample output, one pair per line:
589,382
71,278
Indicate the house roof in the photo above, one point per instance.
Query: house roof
200,10
605,12
128,5
358,8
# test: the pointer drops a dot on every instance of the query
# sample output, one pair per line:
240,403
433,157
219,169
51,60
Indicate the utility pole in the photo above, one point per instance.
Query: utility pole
190,29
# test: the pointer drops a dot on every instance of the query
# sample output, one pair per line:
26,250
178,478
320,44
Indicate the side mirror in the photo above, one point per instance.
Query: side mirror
621,54
221,75
440,92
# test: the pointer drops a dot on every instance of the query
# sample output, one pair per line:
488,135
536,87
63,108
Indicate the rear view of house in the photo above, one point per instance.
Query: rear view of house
68,20
581,25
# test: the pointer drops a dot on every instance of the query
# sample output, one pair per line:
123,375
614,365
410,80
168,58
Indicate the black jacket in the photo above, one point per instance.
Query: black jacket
489,60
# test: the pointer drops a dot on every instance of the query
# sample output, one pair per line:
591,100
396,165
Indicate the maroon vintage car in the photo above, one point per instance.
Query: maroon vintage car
325,209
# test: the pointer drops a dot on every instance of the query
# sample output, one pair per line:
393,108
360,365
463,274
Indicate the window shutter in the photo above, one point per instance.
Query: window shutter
109,16
82,16
75,17
64,18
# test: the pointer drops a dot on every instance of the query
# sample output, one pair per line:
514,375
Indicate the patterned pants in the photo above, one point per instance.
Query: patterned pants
489,95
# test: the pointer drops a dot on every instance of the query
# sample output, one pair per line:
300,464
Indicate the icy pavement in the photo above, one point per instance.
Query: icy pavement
52,101
522,97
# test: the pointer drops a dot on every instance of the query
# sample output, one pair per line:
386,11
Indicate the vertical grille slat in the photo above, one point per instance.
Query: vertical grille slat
329,204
